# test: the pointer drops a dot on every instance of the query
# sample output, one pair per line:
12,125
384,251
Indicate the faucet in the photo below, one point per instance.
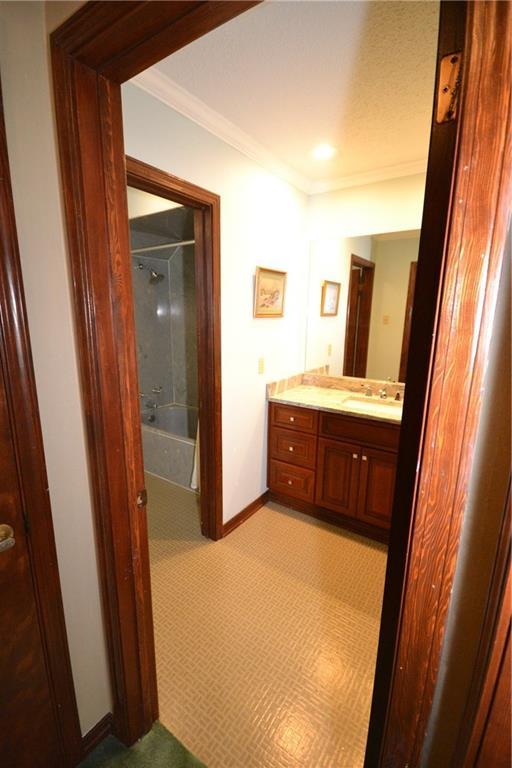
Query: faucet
369,392
148,403
383,392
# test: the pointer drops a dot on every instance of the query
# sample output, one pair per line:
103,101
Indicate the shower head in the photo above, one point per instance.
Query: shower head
155,277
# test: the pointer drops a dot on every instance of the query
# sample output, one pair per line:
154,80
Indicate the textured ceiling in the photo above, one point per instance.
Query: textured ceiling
359,75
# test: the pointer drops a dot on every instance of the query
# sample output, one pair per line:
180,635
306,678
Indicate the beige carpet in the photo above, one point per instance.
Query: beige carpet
266,640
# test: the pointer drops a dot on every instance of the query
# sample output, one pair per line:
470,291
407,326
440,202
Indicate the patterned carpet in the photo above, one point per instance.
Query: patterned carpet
265,640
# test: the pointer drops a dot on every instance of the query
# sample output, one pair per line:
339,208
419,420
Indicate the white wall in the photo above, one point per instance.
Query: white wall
330,260
33,163
394,205
391,280
262,224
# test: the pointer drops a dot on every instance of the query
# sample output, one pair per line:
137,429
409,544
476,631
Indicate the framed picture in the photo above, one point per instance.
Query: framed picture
330,298
269,288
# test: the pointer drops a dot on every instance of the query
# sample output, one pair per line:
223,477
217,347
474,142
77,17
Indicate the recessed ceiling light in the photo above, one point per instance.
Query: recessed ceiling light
324,152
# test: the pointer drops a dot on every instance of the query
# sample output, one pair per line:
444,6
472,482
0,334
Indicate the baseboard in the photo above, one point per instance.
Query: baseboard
100,731
245,514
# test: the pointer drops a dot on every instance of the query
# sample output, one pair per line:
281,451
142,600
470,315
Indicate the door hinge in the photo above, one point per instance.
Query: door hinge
448,87
142,498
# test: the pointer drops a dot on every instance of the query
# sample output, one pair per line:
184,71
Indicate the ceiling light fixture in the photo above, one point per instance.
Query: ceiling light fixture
324,152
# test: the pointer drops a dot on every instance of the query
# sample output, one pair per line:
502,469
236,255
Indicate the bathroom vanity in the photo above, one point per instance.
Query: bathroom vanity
332,453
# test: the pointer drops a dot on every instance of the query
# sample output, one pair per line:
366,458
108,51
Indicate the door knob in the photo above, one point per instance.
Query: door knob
7,539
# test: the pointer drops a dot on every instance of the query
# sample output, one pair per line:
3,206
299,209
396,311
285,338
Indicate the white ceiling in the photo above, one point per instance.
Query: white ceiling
285,76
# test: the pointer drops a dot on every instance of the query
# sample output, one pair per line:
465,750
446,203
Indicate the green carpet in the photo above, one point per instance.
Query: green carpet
157,749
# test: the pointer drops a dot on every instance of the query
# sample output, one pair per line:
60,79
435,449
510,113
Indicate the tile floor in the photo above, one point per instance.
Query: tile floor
265,640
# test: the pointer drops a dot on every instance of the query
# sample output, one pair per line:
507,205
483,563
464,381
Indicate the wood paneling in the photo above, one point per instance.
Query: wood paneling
300,419
293,447
39,717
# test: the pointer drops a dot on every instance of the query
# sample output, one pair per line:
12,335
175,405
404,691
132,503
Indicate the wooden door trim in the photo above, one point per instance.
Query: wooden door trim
98,38
89,122
207,265
26,429
406,336
468,259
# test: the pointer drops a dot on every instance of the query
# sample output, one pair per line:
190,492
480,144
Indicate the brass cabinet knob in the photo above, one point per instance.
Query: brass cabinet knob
7,539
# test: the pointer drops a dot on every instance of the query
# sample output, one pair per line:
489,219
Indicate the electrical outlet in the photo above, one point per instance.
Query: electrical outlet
385,320
261,365
329,350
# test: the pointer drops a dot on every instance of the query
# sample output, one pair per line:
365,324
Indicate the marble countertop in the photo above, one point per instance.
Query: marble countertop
341,401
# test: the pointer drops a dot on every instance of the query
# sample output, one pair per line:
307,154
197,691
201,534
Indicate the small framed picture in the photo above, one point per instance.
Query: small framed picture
330,298
269,288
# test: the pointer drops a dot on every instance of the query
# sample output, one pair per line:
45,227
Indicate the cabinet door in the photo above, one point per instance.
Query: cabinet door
376,487
337,476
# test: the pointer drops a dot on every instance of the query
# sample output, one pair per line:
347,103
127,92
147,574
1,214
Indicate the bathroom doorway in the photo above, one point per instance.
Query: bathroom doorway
175,278
359,310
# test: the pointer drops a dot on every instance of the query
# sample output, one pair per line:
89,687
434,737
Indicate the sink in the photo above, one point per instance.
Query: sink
380,406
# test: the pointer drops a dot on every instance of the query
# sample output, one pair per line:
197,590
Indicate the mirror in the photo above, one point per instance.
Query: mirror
364,330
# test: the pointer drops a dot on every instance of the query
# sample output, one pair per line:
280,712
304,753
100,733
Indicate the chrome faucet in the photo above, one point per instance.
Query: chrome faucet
383,393
369,392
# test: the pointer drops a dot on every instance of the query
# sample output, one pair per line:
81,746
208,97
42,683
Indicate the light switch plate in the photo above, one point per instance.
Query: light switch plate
261,365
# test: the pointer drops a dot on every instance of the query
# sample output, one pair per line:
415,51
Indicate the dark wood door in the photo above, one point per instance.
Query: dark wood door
376,487
404,354
359,309
28,724
337,476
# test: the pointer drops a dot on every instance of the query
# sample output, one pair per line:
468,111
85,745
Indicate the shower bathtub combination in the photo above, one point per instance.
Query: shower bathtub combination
169,442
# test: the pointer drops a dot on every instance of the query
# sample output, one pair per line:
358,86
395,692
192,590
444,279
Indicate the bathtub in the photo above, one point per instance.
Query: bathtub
169,441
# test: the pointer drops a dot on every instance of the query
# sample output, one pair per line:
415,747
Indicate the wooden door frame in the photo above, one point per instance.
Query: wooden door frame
406,336
16,359
104,44
369,266
206,207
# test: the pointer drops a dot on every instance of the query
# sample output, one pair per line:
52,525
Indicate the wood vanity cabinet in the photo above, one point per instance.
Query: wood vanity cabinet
334,466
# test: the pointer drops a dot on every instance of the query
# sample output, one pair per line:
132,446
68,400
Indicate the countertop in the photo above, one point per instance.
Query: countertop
341,401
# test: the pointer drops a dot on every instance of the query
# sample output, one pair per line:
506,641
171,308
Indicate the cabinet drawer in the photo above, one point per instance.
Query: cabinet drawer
293,447
301,419
292,481
380,434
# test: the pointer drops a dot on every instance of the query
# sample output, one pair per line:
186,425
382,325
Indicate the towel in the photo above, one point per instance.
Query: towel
194,480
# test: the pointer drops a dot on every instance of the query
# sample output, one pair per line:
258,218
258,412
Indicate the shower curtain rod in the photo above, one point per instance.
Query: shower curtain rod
160,247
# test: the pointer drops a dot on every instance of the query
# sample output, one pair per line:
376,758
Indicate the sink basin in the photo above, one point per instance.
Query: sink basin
380,406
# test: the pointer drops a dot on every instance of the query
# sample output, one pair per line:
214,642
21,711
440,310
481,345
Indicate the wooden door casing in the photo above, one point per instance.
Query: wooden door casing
337,476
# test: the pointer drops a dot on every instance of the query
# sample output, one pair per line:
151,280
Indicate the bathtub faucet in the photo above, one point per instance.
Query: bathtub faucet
148,403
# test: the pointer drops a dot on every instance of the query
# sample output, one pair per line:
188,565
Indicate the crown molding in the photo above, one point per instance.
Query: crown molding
169,92
166,90
369,177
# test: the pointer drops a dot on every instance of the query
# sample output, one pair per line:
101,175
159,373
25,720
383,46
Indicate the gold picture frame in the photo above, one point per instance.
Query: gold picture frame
269,292
330,298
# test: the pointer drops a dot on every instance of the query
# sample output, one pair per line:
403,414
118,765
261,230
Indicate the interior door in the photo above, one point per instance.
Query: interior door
28,732
359,309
